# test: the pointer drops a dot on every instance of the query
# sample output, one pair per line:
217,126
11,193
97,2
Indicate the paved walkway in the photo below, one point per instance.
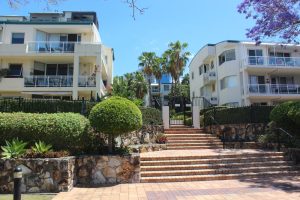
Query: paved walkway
283,188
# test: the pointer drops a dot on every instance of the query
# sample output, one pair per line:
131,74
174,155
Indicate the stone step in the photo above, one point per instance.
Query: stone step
216,171
215,157
185,132
183,139
190,135
214,166
211,161
216,177
186,144
194,147
193,141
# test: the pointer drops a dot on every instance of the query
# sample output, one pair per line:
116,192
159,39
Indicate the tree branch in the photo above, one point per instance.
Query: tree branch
132,4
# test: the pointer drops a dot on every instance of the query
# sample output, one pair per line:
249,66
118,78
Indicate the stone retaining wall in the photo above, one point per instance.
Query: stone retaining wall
61,174
39,175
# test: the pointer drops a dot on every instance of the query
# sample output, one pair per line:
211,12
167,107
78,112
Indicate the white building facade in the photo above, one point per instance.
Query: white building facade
54,55
238,73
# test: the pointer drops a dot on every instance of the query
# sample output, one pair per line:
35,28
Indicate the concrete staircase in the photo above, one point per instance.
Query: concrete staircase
214,166
184,138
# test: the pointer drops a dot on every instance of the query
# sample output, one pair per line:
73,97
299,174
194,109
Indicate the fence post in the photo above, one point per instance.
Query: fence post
83,107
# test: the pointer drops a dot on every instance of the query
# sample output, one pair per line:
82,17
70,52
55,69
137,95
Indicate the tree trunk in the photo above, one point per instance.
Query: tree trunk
110,144
150,100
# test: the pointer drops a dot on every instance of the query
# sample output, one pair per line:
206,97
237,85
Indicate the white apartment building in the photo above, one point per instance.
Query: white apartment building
53,55
238,73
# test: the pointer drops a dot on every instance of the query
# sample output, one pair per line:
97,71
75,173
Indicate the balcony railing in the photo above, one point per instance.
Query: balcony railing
51,47
48,81
274,61
274,89
86,81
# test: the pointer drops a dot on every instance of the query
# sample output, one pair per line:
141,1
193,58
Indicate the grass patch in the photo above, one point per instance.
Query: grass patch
28,197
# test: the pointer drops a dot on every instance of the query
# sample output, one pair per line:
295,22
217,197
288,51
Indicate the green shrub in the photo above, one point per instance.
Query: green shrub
239,115
64,131
151,116
41,147
188,122
115,116
13,149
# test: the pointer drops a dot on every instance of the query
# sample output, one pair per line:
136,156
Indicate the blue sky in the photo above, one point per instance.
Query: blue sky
196,22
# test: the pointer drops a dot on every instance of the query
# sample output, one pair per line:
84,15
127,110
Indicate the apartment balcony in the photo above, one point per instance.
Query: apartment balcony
87,81
51,47
267,64
274,90
210,77
48,81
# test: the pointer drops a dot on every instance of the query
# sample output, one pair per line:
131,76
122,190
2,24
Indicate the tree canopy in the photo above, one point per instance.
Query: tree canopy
273,18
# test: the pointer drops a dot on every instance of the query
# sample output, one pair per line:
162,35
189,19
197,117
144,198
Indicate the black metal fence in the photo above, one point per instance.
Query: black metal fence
238,115
46,106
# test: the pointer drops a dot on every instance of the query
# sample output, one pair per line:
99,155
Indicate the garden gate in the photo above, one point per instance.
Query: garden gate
180,111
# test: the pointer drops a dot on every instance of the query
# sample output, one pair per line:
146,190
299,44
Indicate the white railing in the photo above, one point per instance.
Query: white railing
48,81
274,89
50,47
87,81
273,61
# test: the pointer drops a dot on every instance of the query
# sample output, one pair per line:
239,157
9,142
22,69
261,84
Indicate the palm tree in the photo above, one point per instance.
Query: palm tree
175,60
140,85
147,61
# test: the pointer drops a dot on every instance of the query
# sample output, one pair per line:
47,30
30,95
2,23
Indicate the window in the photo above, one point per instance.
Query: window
255,57
14,71
17,38
226,56
213,87
200,70
193,94
280,54
229,82
202,91
212,65
192,75
166,87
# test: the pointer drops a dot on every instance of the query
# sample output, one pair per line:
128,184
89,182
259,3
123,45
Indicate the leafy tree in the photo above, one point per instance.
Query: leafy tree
175,60
115,116
186,79
148,63
273,18
131,86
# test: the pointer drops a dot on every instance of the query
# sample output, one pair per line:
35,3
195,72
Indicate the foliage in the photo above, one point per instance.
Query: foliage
13,149
65,131
131,86
188,121
44,106
161,138
273,18
239,115
151,116
116,116
175,59
185,79
41,147
286,115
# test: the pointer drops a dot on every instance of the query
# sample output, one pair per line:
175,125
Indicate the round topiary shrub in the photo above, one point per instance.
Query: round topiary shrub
115,116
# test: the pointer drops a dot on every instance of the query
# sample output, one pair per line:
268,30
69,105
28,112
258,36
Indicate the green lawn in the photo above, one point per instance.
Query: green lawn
28,197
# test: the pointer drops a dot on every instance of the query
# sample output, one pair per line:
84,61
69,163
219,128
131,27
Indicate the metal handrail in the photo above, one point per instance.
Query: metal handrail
218,124
278,139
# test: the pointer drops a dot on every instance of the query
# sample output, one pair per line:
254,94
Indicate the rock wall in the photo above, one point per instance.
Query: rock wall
39,175
97,170
61,174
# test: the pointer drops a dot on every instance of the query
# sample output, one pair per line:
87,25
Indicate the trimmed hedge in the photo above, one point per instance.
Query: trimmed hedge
45,106
116,116
64,131
151,116
239,115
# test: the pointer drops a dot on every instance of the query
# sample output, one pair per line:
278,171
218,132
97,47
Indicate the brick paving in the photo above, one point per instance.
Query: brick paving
268,188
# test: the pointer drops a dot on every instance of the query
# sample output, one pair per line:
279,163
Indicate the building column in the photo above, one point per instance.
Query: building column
166,116
98,75
196,116
75,77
